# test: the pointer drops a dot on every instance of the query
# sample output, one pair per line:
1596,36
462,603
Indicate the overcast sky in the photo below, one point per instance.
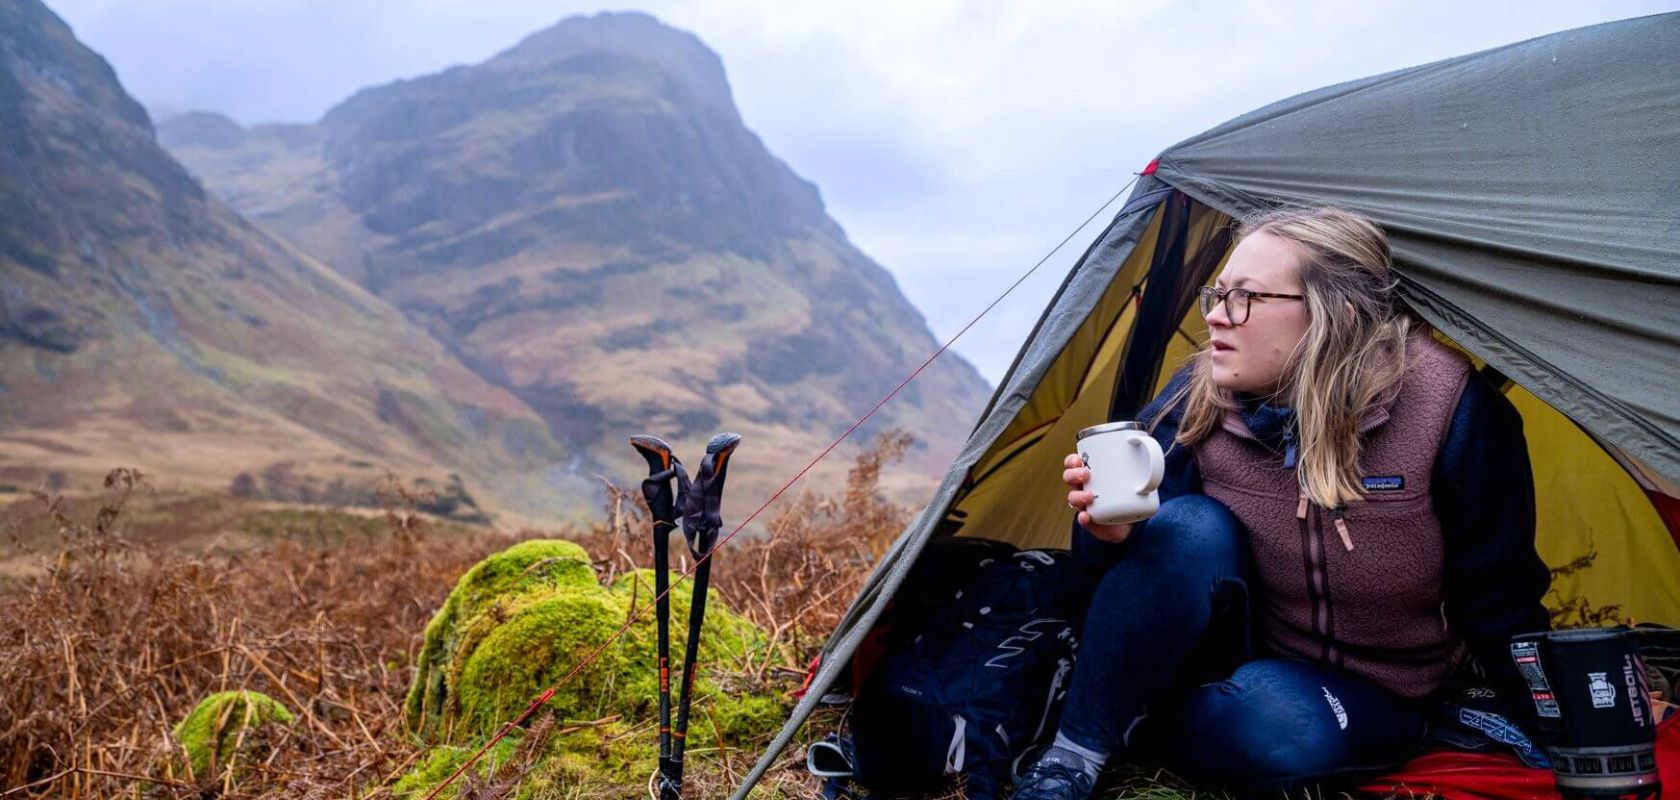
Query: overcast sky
955,142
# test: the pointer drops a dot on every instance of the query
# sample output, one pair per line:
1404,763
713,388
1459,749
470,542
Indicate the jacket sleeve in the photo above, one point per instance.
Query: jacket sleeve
1483,492
1181,476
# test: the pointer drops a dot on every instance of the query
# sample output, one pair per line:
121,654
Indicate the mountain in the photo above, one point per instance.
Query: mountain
587,223
143,323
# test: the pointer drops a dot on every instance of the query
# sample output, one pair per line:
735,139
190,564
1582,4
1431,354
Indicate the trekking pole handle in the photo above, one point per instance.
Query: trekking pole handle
656,488
720,448
703,508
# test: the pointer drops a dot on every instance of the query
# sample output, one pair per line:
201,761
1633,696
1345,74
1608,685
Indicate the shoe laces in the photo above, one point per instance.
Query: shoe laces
1053,779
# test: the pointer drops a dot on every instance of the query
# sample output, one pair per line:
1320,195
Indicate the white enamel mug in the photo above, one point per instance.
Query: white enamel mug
1126,467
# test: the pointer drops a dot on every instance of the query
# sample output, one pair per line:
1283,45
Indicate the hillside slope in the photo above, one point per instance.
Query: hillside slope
587,221
143,323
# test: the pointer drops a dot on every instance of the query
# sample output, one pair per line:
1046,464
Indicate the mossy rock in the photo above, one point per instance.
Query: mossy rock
441,762
615,759
488,656
725,638
611,760
532,650
742,717
214,726
512,651
531,567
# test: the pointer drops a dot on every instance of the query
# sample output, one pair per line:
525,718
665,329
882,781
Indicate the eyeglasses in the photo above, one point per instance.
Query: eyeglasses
1236,301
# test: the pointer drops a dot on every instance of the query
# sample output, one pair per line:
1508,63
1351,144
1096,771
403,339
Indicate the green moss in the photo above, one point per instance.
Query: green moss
488,655
213,727
526,644
535,649
525,569
725,638
531,565
615,759
742,717
441,762
612,760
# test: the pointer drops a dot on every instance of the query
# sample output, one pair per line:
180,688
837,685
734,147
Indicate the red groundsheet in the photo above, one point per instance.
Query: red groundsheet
1455,775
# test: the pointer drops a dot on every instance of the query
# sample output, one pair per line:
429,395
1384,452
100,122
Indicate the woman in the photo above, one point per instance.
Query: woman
1347,514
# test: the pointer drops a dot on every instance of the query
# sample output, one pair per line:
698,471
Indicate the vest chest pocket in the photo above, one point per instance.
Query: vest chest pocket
1388,585
1396,544
1384,517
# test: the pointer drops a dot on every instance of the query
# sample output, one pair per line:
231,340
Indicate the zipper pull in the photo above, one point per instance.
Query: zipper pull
1301,508
1340,513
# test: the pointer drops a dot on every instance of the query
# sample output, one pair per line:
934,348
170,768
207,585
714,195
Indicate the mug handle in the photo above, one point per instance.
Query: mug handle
1157,462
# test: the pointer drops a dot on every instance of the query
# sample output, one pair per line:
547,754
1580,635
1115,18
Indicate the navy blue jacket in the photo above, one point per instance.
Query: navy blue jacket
1483,493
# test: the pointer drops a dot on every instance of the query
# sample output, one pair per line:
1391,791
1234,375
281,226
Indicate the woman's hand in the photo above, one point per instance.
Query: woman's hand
1075,474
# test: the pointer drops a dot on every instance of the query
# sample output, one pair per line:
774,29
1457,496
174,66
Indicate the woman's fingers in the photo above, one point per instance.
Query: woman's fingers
1108,533
1076,474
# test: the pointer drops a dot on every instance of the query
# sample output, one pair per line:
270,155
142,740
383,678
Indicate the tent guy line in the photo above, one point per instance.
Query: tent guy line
640,612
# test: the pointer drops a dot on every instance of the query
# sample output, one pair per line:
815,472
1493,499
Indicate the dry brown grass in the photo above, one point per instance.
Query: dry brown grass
113,639
119,638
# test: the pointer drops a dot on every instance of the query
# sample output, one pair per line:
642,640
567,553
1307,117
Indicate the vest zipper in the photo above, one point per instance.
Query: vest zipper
1340,514
1318,580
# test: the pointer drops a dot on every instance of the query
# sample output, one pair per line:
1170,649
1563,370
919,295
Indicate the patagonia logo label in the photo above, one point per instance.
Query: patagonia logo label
1384,483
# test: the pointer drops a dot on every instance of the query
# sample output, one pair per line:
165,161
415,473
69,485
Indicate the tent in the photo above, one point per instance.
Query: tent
1531,194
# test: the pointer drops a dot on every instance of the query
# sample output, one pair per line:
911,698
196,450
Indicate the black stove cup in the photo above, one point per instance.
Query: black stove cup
1594,706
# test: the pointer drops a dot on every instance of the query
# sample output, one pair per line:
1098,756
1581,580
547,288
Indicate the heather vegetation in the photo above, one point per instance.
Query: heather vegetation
319,653
354,358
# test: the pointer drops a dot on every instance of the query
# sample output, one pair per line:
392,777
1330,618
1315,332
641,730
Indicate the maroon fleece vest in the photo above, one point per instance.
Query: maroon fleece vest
1358,587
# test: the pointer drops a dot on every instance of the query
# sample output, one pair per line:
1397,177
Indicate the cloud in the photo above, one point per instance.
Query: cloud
955,141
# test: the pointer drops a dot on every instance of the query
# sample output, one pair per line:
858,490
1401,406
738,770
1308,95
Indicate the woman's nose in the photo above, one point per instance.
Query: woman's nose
1218,317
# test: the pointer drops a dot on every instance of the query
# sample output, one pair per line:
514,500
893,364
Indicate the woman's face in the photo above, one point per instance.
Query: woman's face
1250,357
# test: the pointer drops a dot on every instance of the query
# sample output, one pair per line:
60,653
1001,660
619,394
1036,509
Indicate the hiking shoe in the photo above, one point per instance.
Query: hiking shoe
1057,775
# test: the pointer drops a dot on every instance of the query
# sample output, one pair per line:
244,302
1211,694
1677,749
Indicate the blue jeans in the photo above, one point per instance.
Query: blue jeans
1167,672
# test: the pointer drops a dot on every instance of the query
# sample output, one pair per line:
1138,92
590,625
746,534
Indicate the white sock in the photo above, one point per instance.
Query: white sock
1093,759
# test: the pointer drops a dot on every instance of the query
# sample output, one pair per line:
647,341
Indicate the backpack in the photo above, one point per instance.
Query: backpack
973,664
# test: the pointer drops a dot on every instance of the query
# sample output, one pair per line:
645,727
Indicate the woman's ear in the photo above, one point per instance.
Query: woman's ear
1348,311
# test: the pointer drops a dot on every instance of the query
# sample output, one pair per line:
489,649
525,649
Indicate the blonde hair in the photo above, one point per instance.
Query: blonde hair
1345,364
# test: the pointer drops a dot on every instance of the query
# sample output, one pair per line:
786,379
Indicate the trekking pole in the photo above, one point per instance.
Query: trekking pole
662,506
702,518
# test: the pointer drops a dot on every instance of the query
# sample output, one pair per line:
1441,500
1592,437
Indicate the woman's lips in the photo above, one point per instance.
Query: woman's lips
1221,347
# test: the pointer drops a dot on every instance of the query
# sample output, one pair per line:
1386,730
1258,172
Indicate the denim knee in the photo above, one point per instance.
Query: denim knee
1179,565
1259,729
1191,530
1282,724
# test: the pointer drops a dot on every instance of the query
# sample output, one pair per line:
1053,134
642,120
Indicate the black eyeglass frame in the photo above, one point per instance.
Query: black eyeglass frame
1211,296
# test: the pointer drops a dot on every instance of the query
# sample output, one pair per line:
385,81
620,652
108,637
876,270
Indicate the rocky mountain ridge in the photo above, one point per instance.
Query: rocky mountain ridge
586,222
145,324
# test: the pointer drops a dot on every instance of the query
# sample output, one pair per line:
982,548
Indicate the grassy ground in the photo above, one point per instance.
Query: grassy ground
124,610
